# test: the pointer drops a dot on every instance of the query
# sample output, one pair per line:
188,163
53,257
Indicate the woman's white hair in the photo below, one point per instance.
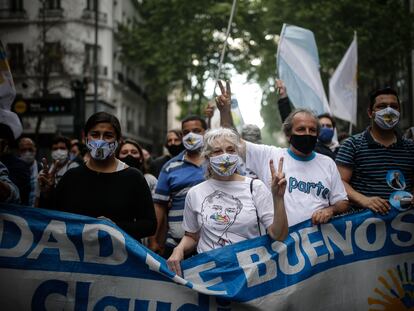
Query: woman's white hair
219,133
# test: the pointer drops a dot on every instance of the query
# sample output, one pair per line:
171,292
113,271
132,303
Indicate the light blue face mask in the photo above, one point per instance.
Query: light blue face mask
193,141
101,149
224,164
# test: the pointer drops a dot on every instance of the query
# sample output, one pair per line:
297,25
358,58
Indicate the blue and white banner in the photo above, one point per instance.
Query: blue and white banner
58,261
298,67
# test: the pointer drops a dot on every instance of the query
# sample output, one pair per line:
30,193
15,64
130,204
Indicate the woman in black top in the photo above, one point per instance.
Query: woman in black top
105,187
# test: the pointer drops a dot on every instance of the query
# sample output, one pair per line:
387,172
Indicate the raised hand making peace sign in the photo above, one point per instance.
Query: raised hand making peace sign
46,177
223,101
278,179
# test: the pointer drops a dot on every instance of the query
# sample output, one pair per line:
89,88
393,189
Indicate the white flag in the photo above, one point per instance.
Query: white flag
298,67
343,86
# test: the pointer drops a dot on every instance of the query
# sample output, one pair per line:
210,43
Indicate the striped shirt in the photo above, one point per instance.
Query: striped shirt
177,177
371,161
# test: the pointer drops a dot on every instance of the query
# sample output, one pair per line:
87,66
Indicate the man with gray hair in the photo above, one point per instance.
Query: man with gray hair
314,190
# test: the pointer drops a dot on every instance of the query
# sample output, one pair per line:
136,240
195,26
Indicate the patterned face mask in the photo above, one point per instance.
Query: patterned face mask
193,141
387,118
224,164
101,149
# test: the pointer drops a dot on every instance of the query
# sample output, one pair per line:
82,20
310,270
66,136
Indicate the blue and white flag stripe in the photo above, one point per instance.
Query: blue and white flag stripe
298,67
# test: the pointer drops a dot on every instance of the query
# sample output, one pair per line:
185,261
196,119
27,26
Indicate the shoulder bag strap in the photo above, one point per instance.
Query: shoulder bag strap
257,214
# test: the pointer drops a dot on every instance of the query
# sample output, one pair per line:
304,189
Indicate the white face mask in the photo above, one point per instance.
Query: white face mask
28,157
193,141
224,164
387,118
59,155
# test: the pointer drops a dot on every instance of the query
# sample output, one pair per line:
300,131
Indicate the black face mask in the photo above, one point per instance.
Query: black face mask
175,149
132,162
303,143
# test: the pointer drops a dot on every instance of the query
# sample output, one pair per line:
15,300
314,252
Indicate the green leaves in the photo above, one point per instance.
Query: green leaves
178,42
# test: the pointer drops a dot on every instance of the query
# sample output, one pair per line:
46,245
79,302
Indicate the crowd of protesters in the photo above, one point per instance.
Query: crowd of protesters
215,187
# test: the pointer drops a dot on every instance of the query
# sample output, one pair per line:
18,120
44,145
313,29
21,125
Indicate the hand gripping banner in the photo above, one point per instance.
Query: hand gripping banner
52,260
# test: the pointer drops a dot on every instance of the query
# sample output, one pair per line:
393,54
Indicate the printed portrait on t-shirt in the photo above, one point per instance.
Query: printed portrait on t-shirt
401,200
396,180
219,212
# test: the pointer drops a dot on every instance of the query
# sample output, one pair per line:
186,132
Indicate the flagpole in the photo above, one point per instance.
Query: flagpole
350,128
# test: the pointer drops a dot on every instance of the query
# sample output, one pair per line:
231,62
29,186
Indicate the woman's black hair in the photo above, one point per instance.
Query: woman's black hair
132,142
103,117
61,139
177,132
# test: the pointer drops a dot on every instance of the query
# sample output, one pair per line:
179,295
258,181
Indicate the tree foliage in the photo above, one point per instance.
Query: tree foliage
177,42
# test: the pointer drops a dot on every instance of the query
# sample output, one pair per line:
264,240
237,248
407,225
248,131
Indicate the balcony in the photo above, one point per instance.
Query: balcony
89,15
51,13
7,14
89,71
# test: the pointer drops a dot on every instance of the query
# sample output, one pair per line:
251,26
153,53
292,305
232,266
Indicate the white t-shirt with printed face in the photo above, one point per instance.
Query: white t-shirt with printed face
224,212
312,184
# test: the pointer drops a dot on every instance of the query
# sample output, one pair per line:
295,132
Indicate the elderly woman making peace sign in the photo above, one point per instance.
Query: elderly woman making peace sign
228,208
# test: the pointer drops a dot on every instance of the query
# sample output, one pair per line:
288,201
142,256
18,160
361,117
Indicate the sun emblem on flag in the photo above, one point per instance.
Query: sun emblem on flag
396,291
190,140
226,164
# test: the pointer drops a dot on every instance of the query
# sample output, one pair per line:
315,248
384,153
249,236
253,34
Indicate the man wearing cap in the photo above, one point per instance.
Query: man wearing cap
366,159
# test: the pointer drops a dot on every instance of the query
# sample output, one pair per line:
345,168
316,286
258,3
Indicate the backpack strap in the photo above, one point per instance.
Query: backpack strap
257,214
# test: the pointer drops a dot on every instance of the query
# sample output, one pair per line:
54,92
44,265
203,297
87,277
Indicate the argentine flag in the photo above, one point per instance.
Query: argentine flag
298,67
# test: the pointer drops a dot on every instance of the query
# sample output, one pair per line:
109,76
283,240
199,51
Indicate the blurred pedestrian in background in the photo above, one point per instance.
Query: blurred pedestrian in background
174,145
130,152
27,153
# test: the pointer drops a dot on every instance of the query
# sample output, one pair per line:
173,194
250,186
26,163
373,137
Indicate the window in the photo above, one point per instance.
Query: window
91,5
89,60
11,5
54,56
16,5
15,57
52,4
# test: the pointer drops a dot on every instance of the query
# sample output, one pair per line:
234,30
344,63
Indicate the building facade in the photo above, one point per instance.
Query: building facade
51,45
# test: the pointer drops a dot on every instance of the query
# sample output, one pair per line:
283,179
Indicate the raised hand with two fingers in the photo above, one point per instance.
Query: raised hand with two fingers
46,177
278,185
223,101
